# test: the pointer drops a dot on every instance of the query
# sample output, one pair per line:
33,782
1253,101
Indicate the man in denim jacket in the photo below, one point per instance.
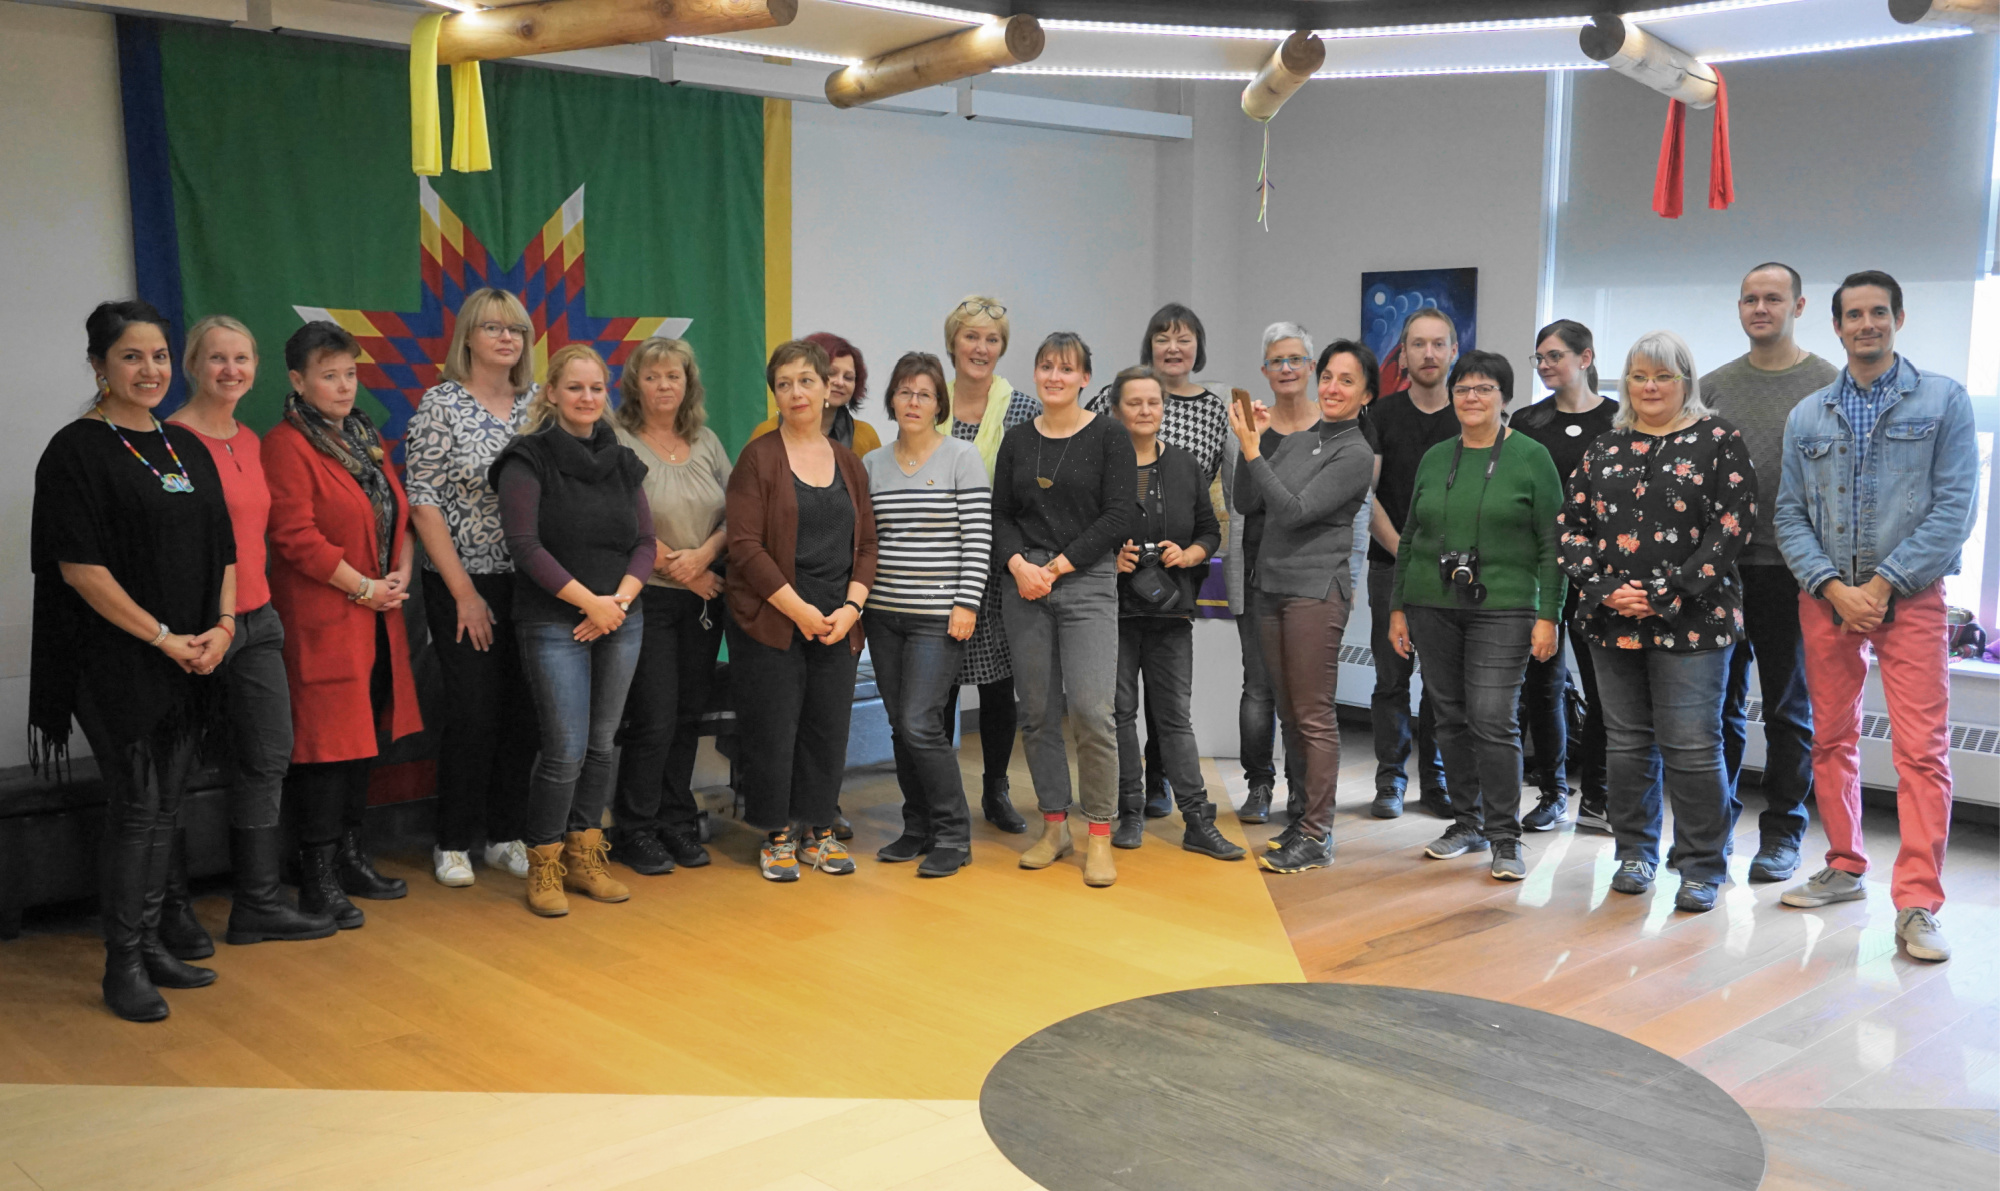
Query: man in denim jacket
1880,469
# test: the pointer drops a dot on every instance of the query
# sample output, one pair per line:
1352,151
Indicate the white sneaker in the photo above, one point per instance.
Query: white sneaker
1921,936
451,868
510,857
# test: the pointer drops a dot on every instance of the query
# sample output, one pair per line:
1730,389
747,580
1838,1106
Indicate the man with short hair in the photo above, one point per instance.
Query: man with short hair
1880,470
1288,369
1407,424
1757,392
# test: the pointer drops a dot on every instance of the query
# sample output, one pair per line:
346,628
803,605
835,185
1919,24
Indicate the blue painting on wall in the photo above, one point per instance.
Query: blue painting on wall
1388,298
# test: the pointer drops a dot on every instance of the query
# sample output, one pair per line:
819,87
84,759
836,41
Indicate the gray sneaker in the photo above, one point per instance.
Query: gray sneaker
1825,887
1507,862
1921,936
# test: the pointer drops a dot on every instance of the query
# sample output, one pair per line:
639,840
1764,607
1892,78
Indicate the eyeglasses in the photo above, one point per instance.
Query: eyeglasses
1554,357
1640,380
503,330
1280,363
979,306
913,395
1474,390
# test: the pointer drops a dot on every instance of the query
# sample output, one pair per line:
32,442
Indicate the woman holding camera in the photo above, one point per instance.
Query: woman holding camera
1309,489
1478,590
1158,577
1656,514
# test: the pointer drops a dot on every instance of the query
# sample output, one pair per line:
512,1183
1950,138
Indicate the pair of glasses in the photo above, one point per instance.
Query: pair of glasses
1556,357
1475,390
503,330
981,306
1640,380
1280,363
913,395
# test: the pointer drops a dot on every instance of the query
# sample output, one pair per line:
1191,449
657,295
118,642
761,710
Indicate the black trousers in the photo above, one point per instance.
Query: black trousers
793,707
144,781
1775,642
663,710
487,729
999,724
328,796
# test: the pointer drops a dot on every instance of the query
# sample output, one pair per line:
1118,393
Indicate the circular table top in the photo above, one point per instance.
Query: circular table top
1277,1086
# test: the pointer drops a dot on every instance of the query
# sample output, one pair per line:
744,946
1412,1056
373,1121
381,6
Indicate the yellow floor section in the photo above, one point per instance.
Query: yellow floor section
707,983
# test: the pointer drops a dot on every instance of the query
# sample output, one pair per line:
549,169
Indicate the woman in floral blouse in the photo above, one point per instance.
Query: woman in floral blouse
1653,521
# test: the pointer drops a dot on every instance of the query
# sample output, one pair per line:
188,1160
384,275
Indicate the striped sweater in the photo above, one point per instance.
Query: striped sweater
935,530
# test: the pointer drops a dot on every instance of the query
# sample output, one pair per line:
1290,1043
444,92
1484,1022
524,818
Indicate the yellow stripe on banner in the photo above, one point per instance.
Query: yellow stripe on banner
777,229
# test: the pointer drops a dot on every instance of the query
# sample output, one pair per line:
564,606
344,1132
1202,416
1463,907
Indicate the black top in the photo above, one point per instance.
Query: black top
1565,435
586,515
97,505
1671,511
1087,510
1402,434
1173,507
823,556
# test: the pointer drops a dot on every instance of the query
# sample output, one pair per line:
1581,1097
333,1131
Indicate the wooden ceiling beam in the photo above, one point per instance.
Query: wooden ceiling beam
552,26
960,55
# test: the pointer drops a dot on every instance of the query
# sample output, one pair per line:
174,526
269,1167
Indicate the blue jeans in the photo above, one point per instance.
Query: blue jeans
1663,723
1473,665
1065,648
579,689
1389,709
1776,644
916,669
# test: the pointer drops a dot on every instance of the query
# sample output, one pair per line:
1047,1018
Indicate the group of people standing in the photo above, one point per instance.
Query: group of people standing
584,561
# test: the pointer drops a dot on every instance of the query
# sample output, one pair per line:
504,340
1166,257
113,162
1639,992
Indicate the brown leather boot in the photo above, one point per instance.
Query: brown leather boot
1099,869
583,867
545,881
1053,846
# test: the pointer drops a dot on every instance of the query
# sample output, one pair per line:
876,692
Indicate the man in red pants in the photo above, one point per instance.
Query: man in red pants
1880,470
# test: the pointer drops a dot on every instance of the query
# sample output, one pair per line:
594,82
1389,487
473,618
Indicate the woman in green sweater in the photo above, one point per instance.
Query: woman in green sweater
1479,591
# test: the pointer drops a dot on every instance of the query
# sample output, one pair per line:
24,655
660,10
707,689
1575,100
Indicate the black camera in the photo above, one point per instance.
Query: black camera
1459,569
1149,555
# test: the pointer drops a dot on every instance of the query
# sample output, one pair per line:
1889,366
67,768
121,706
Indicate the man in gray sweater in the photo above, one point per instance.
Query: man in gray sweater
1757,391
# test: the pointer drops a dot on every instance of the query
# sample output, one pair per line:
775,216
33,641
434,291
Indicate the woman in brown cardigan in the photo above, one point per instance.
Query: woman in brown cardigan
801,560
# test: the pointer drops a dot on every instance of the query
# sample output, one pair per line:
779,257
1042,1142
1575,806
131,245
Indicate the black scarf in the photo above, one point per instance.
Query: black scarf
356,446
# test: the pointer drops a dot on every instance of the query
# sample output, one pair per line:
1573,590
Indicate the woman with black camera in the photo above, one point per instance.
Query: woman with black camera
1479,591
1160,568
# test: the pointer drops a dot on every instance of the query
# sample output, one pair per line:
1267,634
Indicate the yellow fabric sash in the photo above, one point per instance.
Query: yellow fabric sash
991,431
470,150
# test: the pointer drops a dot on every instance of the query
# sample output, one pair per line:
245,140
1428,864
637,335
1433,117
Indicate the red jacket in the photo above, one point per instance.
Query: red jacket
319,519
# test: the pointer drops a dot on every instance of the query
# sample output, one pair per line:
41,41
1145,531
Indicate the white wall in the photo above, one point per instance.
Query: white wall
65,245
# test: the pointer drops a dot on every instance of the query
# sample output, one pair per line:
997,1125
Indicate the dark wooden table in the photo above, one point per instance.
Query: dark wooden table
1280,1086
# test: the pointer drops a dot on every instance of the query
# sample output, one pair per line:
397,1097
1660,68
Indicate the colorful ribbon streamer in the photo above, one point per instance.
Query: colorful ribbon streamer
1669,180
471,152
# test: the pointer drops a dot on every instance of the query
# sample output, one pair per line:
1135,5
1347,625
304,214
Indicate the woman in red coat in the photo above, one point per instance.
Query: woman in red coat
340,571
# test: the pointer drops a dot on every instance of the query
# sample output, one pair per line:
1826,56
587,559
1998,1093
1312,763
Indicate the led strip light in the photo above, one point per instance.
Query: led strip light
772,51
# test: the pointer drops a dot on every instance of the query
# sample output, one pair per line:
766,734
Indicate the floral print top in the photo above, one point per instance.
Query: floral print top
450,442
1671,511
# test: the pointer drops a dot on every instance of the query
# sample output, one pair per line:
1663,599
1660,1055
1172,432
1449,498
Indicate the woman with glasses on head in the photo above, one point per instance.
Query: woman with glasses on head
1478,592
1566,422
984,407
1654,519
934,526
1309,489
486,743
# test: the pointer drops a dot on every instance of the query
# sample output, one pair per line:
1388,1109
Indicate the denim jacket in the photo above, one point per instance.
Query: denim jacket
1907,514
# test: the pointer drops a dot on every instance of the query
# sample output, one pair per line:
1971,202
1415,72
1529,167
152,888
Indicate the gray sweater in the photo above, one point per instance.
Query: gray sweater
1758,402
1309,490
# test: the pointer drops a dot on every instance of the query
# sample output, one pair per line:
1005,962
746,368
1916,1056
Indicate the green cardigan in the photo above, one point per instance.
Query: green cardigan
1517,531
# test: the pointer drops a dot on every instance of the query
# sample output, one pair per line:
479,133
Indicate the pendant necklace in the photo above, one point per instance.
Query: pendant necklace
1048,481
174,483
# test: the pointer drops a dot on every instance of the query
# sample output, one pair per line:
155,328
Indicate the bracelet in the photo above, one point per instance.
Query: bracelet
851,604
362,592
161,636
232,626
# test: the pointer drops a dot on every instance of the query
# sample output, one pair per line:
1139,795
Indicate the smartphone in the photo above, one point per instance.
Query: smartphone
1242,399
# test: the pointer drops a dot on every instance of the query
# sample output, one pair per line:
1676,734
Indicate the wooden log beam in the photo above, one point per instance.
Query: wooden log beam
551,26
1296,59
1637,54
1983,15
954,56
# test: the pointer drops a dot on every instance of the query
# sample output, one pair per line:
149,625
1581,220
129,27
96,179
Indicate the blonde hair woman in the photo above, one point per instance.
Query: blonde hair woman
486,743
660,418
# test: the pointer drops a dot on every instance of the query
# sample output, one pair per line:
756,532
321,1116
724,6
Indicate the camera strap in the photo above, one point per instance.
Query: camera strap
1479,510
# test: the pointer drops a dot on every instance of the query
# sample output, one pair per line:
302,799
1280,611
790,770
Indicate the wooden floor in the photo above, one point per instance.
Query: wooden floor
720,1032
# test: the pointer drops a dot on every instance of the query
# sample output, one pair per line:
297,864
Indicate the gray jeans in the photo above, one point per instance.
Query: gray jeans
260,717
1065,648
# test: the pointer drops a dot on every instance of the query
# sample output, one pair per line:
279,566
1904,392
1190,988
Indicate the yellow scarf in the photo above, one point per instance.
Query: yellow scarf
992,426
470,151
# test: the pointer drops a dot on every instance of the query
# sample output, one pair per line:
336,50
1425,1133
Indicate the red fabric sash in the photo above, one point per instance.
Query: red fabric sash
1669,180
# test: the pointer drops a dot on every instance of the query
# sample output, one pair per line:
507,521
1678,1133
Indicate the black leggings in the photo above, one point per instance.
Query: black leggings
330,796
997,720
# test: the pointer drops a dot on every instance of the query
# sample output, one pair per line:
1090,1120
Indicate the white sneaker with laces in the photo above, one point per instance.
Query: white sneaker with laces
1825,887
1921,935
451,868
511,857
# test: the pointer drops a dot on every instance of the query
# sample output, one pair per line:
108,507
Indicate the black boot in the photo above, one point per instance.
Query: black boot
1130,831
1256,805
128,991
357,874
181,933
1202,837
319,890
163,968
998,806
260,913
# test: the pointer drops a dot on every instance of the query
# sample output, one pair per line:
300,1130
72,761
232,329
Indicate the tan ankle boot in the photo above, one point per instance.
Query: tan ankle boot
1099,869
1053,846
545,881
584,872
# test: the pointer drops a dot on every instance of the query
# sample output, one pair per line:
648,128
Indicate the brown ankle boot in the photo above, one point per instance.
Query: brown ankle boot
583,867
545,881
1053,846
1099,869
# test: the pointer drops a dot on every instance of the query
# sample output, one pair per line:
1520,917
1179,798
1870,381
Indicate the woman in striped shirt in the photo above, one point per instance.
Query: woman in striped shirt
934,526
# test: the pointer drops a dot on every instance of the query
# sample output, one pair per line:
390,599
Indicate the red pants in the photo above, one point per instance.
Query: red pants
1916,680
